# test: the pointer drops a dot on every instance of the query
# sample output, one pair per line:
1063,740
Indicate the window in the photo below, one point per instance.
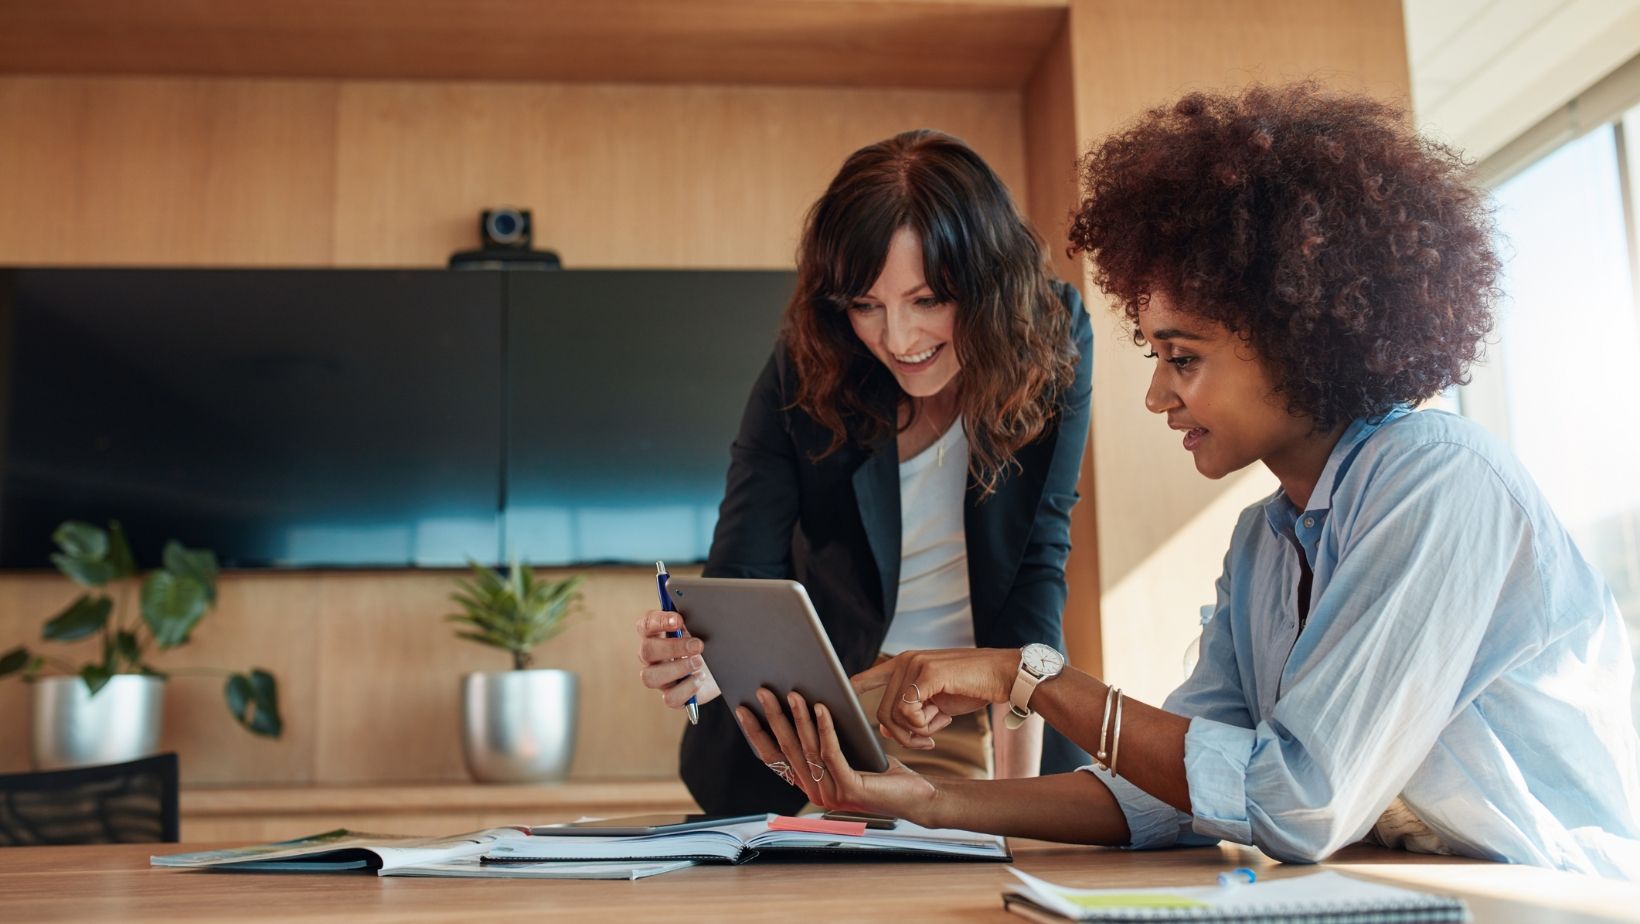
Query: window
1562,378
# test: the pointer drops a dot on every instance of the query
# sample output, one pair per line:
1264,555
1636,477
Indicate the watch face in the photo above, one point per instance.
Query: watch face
1042,660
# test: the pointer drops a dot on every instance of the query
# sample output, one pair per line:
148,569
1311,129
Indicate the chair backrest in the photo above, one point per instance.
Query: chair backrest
127,803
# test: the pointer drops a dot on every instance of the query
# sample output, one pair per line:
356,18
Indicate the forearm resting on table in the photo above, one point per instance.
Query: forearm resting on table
1072,808
1151,756
1018,751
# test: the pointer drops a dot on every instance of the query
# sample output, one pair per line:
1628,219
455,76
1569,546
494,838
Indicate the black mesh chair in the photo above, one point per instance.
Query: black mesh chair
130,803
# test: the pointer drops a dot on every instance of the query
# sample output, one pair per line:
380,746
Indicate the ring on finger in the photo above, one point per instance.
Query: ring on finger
814,765
782,770
914,702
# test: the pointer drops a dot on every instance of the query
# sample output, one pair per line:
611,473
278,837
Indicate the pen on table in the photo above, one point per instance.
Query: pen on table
666,605
1241,875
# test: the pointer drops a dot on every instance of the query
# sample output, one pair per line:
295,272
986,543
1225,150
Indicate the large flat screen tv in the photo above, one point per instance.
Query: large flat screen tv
377,418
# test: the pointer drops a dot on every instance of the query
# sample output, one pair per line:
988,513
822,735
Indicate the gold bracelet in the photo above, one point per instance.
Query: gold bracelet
1116,743
1104,725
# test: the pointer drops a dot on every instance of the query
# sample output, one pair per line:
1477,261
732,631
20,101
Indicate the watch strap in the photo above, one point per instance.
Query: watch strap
1019,698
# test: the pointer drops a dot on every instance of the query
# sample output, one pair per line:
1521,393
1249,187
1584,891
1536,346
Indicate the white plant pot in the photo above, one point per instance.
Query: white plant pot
518,726
73,728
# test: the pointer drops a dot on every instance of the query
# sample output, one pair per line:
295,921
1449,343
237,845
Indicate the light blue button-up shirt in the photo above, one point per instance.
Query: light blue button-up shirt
1459,653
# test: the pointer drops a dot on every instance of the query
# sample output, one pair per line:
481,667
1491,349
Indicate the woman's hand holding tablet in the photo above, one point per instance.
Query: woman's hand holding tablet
766,634
807,741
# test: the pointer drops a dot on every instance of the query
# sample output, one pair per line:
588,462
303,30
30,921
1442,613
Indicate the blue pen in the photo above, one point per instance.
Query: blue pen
666,606
1241,875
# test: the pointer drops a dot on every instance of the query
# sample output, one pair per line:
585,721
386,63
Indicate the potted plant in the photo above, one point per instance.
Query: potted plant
108,710
518,725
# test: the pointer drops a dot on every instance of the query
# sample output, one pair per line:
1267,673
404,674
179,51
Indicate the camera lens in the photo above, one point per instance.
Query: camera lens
504,226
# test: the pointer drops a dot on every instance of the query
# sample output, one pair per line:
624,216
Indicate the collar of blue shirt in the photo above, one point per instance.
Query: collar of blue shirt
1283,515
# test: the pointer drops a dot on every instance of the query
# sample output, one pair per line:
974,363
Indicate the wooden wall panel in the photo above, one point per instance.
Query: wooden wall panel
195,172
1051,152
1164,527
392,667
166,172
620,176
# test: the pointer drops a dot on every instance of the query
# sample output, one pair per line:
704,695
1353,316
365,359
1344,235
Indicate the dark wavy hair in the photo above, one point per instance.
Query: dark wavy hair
1012,334
1354,256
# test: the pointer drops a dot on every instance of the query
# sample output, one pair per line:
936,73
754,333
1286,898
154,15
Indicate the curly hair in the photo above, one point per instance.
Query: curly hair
1012,335
1354,256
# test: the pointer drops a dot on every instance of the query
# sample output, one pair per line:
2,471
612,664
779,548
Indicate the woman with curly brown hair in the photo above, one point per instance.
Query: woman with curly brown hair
910,452
1407,647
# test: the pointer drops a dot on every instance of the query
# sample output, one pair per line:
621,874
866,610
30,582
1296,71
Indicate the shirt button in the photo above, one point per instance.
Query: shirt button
1309,521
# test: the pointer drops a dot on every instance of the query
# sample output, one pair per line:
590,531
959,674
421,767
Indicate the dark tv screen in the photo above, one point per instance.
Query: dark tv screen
625,390
374,418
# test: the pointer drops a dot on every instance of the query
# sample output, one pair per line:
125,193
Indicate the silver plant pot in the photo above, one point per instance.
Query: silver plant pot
72,728
518,726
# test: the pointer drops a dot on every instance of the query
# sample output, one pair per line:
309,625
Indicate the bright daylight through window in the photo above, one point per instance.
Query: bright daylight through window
1565,360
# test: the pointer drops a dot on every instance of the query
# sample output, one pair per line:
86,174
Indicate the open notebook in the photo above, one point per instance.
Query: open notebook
738,843
1325,896
399,855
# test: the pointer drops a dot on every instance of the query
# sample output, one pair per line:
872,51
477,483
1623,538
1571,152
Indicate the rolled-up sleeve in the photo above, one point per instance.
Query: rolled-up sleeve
1152,823
1215,763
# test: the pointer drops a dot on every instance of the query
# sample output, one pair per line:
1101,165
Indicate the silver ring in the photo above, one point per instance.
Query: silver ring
782,770
813,764
914,702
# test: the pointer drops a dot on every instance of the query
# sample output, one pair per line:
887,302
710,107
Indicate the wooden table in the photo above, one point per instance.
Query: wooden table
115,883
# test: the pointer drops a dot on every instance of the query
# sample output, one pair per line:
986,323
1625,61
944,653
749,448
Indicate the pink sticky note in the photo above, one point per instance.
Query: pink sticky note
817,826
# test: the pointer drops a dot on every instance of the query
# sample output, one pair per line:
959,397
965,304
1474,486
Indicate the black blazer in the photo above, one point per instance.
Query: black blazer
834,525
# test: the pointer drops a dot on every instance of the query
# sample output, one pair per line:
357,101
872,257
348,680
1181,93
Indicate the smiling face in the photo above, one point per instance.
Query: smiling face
904,325
1216,392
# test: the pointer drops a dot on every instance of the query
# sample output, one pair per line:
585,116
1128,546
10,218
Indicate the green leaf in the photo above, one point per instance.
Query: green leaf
254,702
85,572
120,562
172,606
126,648
85,616
238,692
266,721
515,611
199,564
81,540
13,661
96,676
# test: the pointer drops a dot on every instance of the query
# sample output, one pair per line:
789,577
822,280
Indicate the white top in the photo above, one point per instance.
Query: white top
933,609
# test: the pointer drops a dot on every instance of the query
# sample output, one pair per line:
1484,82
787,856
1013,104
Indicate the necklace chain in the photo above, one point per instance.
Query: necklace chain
939,438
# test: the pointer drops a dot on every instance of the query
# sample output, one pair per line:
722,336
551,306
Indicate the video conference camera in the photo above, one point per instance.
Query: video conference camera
507,238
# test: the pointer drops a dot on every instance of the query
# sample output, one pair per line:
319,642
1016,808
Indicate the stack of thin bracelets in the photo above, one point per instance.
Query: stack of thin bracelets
1108,757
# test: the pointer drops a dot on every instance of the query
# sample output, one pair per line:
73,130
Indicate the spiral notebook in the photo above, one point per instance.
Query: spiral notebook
1319,897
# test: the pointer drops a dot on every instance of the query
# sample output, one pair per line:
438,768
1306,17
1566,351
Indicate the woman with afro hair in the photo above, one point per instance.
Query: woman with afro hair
1407,648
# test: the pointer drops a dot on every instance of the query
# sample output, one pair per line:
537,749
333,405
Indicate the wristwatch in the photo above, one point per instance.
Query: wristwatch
1037,662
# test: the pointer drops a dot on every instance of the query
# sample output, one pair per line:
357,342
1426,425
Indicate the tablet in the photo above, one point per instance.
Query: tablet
761,633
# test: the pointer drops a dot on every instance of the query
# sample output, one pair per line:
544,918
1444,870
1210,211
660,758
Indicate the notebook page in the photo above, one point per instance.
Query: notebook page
725,843
1318,894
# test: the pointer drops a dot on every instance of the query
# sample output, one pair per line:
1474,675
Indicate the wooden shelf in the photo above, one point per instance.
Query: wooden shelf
943,44
265,813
